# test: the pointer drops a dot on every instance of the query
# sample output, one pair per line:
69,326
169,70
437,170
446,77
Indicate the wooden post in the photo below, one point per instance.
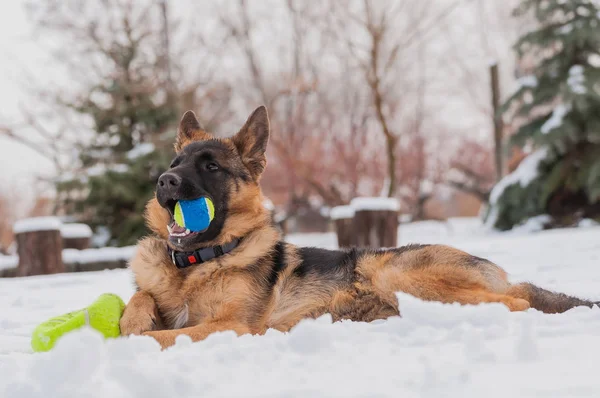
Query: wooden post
76,243
76,236
39,245
497,119
342,219
375,222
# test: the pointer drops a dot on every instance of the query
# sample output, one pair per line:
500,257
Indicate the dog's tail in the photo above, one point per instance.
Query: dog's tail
545,300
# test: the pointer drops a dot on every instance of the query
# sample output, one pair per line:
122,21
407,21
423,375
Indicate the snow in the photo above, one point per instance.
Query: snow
37,224
492,216
101,236
534,224
8,261
566,29
375,203
576,80
528,81
280,216
576,70
100,169
583,11
86,256
341,212
268,204
119,168
426,187
75,230
587,222
556,118
363,203
103,254
594,60
433,350
140,150
69,176
523,175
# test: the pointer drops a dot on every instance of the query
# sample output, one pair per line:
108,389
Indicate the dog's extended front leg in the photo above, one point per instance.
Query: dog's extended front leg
140,315
166,338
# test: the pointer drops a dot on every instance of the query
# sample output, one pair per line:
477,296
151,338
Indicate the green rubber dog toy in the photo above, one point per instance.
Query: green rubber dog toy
103,315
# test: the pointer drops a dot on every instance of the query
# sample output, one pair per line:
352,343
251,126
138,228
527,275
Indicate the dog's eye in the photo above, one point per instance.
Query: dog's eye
175,162
212,166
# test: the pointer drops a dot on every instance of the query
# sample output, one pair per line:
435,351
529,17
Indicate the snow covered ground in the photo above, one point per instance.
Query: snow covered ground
434,350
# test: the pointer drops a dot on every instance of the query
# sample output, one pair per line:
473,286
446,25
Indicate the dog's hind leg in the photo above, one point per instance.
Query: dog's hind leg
546,300
483,296
444,284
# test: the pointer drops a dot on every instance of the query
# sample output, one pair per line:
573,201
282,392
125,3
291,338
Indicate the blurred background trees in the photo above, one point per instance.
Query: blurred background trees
130,103
127,106
366,98
557,106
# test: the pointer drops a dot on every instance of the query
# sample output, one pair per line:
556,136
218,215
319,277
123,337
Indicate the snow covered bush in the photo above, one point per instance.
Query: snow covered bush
557,107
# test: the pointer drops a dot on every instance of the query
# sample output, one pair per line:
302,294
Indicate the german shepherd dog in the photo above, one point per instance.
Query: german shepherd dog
239,275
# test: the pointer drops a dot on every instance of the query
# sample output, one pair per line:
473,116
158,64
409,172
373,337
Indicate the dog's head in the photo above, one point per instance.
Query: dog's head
227,171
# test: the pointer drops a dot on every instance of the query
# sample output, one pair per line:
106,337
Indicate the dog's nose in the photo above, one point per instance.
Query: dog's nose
169,182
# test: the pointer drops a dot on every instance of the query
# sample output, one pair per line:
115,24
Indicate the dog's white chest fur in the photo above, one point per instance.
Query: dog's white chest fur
179,317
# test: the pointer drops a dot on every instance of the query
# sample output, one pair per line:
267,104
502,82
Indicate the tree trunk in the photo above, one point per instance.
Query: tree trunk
497,119
375,228
40,252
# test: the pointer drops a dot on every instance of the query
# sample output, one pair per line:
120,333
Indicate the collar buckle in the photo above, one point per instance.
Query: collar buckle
186,259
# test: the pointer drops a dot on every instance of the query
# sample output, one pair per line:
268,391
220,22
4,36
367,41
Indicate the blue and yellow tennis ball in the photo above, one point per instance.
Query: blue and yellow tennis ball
103,315
194,215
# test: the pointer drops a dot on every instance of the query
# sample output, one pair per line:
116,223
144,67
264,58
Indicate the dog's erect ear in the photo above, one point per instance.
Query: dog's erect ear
188,127
251,141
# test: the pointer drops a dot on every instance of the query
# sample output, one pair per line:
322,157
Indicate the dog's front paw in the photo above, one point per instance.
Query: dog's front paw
140,315
136,324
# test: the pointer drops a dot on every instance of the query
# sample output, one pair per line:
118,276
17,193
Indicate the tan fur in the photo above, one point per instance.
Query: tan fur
140,315
166,338
221,292
246,213
202,290
189,131
447,284
157,218
284,309
239,291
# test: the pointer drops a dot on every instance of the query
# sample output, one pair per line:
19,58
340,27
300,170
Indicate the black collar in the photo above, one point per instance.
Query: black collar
186,259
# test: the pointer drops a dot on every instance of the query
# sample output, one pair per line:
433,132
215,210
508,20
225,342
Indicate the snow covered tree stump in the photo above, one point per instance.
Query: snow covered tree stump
342,217
39,245
375,222
76,236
